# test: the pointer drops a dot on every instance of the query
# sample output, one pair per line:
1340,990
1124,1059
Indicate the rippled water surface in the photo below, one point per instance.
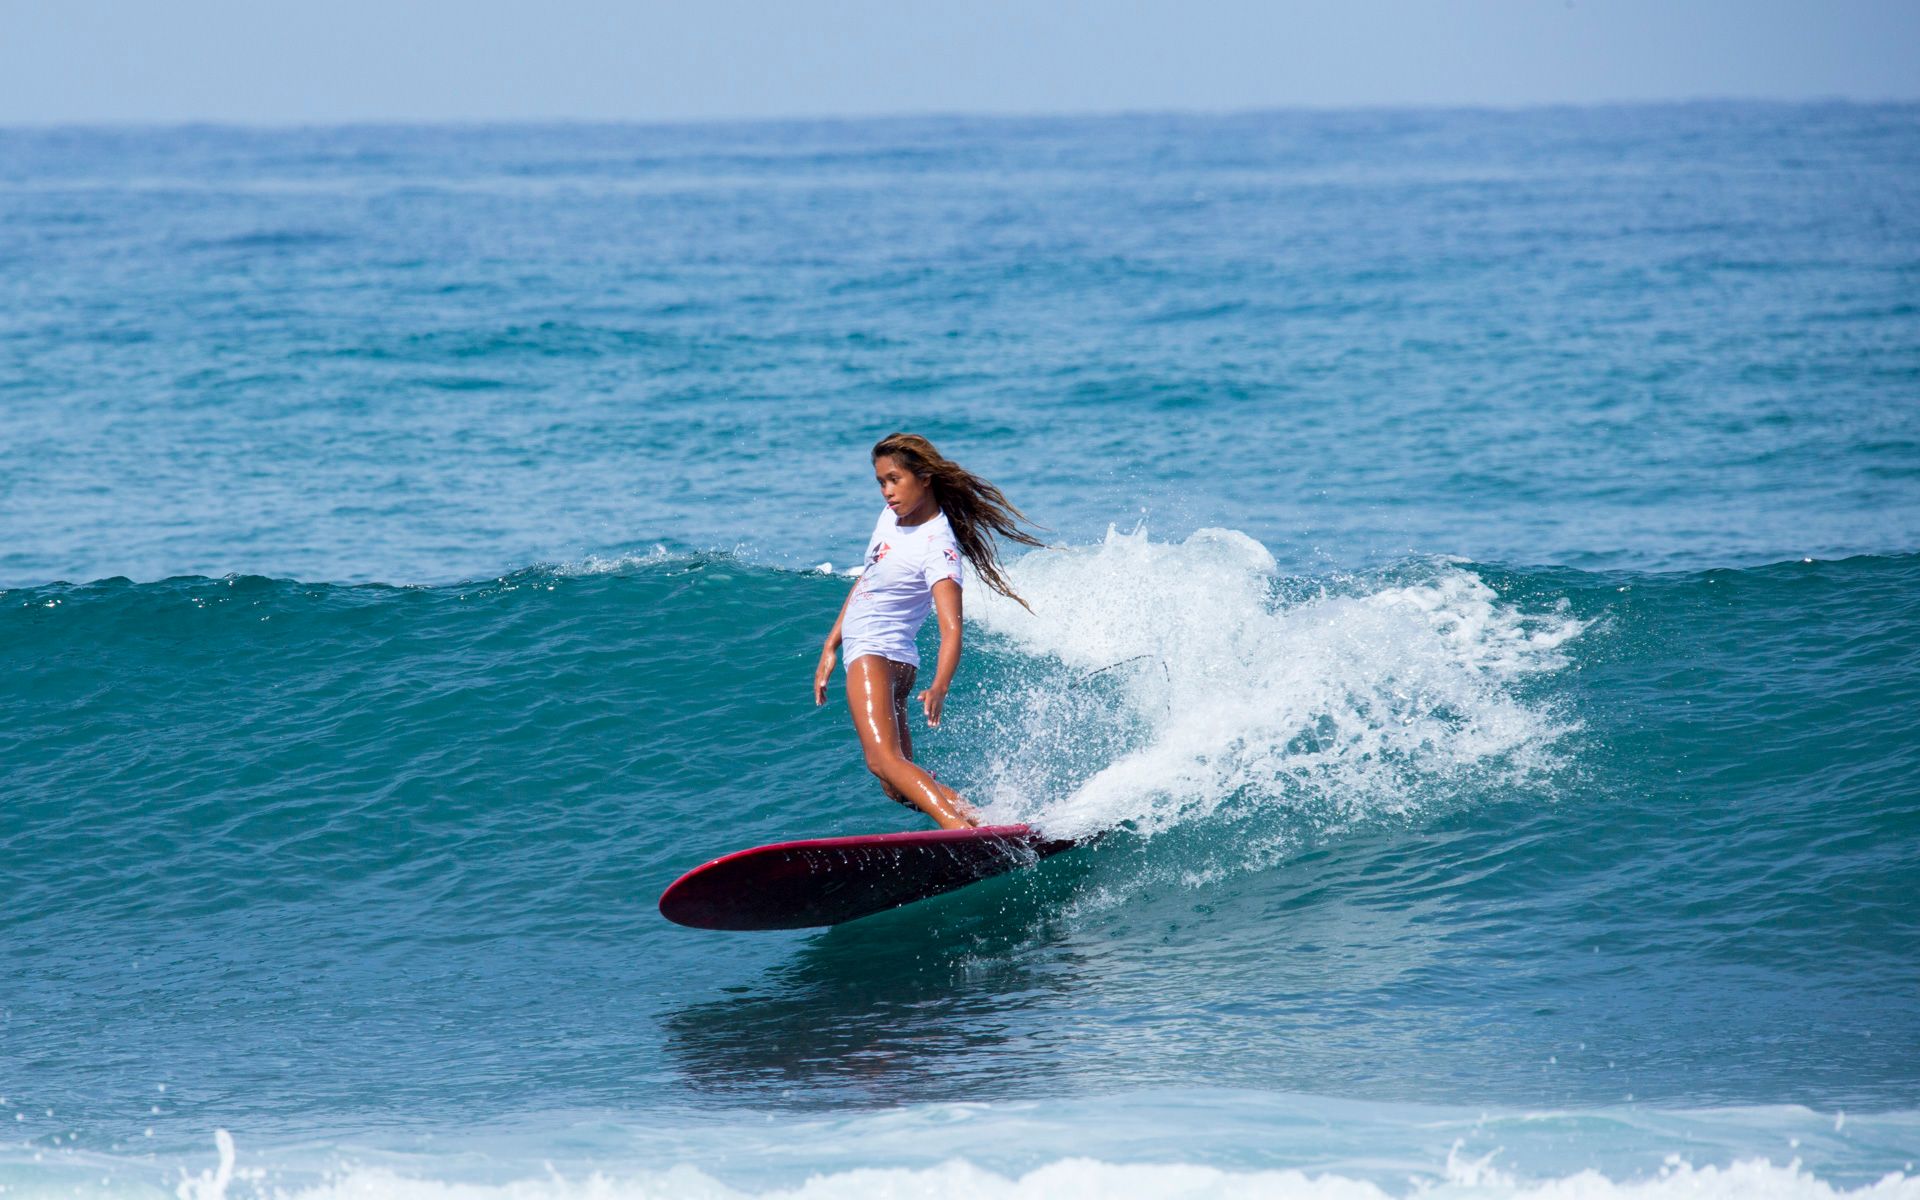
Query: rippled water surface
1483,605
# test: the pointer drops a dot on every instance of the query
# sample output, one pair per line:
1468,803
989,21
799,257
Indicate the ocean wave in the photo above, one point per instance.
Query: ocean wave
1087,1179
1257,1145
1442,829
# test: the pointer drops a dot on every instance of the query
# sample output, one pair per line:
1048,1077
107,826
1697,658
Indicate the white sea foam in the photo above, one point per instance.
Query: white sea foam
1148,1146
1089,1179
1190,677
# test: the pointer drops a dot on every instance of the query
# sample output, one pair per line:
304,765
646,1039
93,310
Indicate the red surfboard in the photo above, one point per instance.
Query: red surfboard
825,881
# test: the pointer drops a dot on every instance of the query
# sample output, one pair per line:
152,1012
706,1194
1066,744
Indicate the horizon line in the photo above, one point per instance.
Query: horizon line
943,114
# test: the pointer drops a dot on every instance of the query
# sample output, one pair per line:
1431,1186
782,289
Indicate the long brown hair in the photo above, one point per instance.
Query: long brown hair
976,509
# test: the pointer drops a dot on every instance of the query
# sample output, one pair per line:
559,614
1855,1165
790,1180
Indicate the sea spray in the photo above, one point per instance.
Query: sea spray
1239,692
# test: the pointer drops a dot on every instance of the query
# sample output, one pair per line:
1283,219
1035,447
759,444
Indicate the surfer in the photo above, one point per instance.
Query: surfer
937,514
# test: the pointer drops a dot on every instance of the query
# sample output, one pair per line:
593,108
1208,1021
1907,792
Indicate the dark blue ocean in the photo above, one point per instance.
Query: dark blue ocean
1482,602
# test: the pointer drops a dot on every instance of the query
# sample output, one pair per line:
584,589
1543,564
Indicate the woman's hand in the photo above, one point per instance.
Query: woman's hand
821,674
933,700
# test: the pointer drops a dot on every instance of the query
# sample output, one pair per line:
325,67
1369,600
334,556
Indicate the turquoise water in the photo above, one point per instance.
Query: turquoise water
1484,600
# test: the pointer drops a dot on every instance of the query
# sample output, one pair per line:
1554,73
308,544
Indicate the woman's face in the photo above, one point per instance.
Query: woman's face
905,491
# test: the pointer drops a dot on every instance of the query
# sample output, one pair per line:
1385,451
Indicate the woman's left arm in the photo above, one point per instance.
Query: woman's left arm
946,606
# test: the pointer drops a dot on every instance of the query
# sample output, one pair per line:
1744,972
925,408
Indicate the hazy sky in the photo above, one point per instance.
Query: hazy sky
277,61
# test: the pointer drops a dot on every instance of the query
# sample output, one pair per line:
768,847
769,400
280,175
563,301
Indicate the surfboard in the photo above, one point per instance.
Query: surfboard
827,881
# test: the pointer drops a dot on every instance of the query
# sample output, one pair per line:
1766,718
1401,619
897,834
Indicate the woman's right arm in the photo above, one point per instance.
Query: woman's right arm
824,672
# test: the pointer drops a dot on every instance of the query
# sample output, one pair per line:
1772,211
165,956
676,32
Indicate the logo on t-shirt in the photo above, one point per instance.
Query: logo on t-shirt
879,552
953,556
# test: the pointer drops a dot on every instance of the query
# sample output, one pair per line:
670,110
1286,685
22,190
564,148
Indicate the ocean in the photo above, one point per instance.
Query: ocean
1481,607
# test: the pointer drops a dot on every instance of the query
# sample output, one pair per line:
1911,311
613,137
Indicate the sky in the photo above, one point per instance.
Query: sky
277,62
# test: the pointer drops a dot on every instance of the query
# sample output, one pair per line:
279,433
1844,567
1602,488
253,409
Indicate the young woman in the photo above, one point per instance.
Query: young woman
937,514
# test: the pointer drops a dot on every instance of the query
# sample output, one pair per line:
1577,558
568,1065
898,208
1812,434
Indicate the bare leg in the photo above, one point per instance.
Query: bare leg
877,692
903,674
902,683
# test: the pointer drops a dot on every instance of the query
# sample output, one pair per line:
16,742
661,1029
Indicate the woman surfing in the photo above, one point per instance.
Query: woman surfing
937,514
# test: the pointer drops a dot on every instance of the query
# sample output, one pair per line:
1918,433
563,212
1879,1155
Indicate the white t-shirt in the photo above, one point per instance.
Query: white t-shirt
895,592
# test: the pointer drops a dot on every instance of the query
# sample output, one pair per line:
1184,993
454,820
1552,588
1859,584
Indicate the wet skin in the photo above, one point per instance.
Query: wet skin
878,688
877,692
